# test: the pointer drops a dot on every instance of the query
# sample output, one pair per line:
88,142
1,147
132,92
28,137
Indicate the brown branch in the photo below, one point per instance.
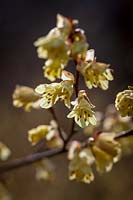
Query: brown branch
25,161
124,134
32,158
76,86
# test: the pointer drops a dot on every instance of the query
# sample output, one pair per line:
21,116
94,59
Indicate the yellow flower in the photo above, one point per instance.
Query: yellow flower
52,46
124,102
44,170
48,133
80,166
53,69
107,151
25,97
96,74
66,92
4,152
51,93
82,111
37,134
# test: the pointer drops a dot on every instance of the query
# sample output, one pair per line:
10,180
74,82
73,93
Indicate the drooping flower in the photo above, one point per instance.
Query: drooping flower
82,111
51,93
5,152
44,170
106,151
25,97
96,74
124,102
80,165
52,46
55,48
37,134
48,133
66,92
53,69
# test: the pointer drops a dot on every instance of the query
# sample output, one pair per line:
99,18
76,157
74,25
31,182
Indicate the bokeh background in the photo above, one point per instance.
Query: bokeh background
108,26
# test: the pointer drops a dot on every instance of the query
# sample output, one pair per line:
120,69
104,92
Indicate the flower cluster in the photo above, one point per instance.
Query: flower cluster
66,42
103,152
62,42
124,102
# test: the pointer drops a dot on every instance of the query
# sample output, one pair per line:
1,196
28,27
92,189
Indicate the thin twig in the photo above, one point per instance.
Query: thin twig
25,161
32,158
124,134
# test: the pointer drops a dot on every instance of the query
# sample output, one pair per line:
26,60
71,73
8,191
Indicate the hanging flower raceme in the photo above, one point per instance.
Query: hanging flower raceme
37,134
82,111
51,93
25,97
80,164
55,47
44,170
106,151
47,133
96,74
124,102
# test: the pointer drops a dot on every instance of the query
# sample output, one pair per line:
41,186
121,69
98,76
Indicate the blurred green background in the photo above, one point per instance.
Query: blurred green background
108,26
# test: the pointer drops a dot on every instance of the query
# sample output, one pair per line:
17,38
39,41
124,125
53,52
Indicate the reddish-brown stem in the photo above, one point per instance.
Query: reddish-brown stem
124,134
27,160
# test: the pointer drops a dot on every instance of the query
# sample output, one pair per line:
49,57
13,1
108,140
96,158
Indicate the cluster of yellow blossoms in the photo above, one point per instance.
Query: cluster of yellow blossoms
103,152
63,43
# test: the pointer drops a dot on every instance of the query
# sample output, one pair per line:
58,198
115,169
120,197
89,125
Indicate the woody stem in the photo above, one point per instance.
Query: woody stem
76,86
